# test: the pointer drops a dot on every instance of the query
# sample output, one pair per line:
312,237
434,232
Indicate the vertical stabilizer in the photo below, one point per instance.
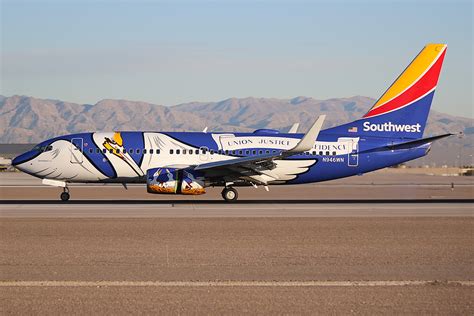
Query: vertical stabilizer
402,111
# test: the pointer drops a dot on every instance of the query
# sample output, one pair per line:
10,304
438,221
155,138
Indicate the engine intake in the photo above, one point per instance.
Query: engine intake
174,181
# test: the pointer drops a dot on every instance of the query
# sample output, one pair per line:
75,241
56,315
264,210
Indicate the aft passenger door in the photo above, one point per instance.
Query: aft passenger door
353,156
77,146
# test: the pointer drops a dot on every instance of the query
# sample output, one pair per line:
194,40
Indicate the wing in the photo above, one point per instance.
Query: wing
260,164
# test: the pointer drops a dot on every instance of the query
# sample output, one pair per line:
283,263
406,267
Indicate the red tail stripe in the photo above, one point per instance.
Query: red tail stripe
420,88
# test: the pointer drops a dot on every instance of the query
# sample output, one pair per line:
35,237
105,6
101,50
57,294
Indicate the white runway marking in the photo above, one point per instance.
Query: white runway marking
235,210
229,283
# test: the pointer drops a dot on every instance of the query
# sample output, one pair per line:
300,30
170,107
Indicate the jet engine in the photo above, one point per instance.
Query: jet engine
174,181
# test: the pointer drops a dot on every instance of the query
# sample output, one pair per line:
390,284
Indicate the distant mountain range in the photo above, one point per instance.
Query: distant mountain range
26,119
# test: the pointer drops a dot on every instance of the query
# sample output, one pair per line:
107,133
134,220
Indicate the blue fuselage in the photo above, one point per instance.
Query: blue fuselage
126,156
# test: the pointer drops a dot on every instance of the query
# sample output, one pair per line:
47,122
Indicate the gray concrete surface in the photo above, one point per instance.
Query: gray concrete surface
420,300
429,256
293,250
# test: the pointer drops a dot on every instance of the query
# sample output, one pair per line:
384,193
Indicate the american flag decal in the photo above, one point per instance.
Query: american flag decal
352,129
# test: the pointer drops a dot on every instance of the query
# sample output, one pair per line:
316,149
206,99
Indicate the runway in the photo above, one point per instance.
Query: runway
196,209
347,248
231,265
375,186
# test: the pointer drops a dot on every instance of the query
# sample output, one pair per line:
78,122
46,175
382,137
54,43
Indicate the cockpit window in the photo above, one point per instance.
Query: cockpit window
43,148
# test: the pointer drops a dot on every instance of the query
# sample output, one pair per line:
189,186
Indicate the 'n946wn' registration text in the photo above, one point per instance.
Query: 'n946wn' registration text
333,159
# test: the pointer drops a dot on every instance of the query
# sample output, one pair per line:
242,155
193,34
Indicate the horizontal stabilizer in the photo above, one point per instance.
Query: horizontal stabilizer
418,142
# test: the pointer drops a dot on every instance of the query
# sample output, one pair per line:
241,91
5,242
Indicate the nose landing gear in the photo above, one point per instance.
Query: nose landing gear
65,194
229,194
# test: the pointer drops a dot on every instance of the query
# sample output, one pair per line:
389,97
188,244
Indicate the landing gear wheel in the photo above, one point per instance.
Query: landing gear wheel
65,195
230,194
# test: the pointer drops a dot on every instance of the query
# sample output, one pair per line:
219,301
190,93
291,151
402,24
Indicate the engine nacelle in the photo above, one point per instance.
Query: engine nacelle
174,181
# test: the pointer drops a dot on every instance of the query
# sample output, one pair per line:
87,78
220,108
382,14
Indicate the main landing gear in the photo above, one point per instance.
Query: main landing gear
65,194
230,194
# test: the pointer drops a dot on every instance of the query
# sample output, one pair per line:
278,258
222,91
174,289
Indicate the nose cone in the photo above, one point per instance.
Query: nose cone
20,161
16,161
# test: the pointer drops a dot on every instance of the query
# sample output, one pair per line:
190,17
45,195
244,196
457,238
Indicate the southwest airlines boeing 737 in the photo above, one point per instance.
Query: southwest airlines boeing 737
390,133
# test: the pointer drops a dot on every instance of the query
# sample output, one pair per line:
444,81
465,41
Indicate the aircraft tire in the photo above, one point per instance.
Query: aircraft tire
230,194
65,196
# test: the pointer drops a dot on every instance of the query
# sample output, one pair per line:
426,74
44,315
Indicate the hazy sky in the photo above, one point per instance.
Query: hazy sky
179,51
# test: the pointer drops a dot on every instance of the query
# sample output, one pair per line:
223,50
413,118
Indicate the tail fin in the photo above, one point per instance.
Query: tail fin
403,109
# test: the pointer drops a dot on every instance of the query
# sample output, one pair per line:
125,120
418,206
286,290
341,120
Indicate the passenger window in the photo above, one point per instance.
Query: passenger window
260,152
151,151
144,151
240,152
171,151
211,151
267,151
190,151
327,153
130,150
314,153
254,152
117,151
111,151
184,151
320,153
203,151
90,150
226,152
158,151
274,151
97,150
178,151
104,150
137,151
196,151
334,153
247,152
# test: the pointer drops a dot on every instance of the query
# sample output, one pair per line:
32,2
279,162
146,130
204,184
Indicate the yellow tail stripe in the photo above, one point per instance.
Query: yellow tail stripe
412,73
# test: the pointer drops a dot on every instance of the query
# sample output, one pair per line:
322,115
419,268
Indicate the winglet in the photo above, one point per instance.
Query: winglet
294,128
204,130
307,142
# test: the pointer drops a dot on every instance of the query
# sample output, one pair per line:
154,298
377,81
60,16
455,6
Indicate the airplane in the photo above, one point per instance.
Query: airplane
390,133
